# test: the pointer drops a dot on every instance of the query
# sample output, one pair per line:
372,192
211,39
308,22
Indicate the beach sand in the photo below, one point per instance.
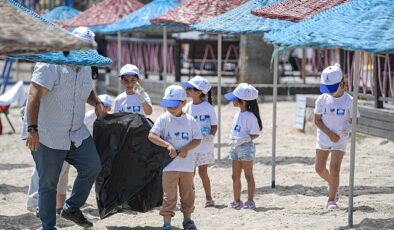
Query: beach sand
297,202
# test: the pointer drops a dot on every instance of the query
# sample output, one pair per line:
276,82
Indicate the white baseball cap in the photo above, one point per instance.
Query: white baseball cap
129,70
330,79
243,91
84,33
173,96
105,99
199,83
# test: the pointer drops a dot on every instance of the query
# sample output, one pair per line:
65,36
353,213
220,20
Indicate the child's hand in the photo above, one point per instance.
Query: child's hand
334,137
182,153
172,151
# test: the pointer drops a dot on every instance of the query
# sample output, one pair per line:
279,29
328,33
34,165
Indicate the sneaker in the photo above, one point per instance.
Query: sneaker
331,205
188,224
237,205
249,205
77,217
167,226
209,203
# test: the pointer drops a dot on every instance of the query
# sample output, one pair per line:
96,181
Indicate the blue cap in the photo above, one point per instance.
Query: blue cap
187,85
230,96
329,88
170,103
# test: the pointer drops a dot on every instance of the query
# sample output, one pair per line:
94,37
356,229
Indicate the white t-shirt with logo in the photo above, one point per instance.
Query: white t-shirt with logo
244,124
206,117
336,115
178,131
130,103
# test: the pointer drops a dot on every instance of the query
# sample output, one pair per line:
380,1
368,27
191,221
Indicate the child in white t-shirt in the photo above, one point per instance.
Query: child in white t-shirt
201,109
90,116
180,134
333,113
246,127
134,99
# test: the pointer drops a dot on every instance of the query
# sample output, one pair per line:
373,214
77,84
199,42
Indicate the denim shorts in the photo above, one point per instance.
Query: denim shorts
244,152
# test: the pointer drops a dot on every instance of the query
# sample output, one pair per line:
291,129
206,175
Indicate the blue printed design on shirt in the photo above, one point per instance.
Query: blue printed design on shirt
340,112
237,128
177,133
136,108
185,136
168,136
332,110
128,107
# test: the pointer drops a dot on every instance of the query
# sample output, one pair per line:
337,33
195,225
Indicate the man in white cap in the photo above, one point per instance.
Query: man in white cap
56,133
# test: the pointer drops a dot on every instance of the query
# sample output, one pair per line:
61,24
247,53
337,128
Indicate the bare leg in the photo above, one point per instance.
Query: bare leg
335,168
203,172
247,166
237,169
60,198
320,164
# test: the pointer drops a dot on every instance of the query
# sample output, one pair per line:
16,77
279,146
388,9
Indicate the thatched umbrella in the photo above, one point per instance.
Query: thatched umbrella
105,13
360,25
23,31
61,14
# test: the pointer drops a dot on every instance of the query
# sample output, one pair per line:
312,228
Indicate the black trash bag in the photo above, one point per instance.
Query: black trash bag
132,166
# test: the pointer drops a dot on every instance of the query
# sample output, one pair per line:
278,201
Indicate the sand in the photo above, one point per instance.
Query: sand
297,202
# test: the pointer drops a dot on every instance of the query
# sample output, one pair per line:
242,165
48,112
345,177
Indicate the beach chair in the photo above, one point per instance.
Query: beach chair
4,110
5,76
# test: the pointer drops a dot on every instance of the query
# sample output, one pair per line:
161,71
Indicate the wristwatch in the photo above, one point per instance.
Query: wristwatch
32,128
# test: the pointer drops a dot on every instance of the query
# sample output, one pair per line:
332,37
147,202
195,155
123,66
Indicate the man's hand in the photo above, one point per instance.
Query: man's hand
182,153
172,151
100,110
33,141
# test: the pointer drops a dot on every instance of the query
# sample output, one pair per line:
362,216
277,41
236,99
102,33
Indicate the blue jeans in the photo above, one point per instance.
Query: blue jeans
49,164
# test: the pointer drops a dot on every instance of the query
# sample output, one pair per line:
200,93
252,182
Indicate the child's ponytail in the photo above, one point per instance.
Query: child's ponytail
253,107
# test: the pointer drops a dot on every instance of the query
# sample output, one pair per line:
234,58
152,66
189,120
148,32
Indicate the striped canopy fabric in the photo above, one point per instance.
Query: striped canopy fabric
23,31
357,25
105,12
196,11
75,57
241,21
61,14
139,20
296,10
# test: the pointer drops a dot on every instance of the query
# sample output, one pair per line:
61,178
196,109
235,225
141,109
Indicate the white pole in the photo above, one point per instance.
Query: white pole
275,95
118,61
164,58
219,91
356,84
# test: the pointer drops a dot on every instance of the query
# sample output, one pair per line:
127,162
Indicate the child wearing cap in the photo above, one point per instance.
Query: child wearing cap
180,134
246,127
201,109
90,116
333,111
134,99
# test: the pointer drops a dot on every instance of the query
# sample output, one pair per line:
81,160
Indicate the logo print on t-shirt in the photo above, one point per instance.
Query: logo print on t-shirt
128,107
332,110
340,112
168,136
136,108
237,128
185,136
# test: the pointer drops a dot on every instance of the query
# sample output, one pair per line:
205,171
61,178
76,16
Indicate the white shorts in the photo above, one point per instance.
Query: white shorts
206,158
339,147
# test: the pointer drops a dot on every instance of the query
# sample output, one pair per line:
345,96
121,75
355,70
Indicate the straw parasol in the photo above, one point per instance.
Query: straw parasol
241,21
295,10
75,57
104,13
61,14
358,25
23,31
139,20
195,11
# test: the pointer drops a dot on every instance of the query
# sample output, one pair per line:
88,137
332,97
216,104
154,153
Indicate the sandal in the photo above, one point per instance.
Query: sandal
331,205
337,194
188,224
209,203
